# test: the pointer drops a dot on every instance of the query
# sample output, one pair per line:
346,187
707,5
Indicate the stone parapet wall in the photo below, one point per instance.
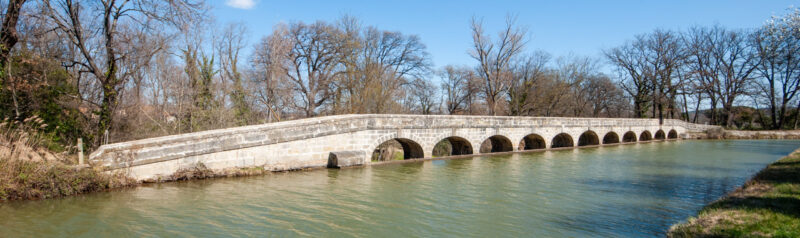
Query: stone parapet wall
307,143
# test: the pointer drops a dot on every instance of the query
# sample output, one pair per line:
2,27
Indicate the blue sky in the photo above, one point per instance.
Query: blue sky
559,27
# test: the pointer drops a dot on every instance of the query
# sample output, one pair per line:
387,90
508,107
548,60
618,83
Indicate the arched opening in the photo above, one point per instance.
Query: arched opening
588,138
629,137
660,135
397,149
645,136
562,140
532,142
496,143
453,145
672,134
611,138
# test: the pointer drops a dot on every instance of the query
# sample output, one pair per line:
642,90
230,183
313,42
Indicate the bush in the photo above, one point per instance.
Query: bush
40,87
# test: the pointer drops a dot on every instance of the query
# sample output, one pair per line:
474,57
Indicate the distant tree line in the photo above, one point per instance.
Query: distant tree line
116,70
733,73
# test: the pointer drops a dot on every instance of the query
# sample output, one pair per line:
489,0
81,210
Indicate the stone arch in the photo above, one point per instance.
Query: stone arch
588,138
660,135
562,140
629,136
532,142
611,138
645,136
496,143
457,146
411,149
672,134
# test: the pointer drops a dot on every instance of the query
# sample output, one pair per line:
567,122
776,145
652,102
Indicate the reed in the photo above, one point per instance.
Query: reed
29,171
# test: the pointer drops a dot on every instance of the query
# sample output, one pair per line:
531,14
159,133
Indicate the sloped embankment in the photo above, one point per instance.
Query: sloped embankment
768,205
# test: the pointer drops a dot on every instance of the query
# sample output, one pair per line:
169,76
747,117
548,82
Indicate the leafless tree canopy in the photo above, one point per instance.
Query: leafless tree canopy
116,70
494,58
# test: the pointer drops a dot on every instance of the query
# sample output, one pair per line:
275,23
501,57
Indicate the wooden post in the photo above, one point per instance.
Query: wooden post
80,151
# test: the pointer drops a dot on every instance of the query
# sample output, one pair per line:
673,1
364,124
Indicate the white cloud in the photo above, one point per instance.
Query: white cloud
241,4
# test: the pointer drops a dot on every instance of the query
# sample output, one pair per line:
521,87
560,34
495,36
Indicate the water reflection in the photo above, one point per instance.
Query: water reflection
629,190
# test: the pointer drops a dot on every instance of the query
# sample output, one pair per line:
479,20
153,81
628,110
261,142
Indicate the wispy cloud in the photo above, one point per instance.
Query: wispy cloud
241,4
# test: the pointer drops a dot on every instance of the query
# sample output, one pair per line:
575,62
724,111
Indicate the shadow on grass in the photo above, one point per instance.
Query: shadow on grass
787,163
788,206
780,172
761,192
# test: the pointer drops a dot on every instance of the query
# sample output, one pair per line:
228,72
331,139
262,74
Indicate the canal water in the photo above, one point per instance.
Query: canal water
621,191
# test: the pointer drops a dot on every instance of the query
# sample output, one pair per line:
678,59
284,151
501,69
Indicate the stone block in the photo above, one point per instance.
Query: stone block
341,159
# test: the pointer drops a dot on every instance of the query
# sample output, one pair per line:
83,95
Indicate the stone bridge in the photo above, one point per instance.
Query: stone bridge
308,143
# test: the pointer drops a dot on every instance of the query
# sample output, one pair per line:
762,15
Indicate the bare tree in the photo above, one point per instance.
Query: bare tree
630,60
777,46
313,62
423,96
572,72
378,64
229,47
698,42
113,40
666,57
724,63
494,58
268,66
527,72
456,88
602,95
649,68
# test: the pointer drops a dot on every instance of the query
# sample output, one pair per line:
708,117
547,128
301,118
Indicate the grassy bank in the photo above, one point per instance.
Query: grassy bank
766,206
20,179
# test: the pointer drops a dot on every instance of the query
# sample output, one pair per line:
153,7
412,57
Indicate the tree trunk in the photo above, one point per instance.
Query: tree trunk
781,117
490,100
106,112
796,114
728,108
685,108
713,111
8,35
697,107
776,121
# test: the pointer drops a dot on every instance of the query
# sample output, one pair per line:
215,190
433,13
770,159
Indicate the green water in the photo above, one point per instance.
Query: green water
630,190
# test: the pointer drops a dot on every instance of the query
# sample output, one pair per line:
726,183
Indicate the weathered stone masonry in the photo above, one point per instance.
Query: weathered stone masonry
307,143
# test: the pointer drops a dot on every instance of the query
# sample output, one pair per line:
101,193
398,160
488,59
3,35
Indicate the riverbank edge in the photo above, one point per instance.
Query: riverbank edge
767,205
33,180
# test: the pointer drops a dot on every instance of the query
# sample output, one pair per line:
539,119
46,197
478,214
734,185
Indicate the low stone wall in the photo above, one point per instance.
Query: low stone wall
734,134
722,134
